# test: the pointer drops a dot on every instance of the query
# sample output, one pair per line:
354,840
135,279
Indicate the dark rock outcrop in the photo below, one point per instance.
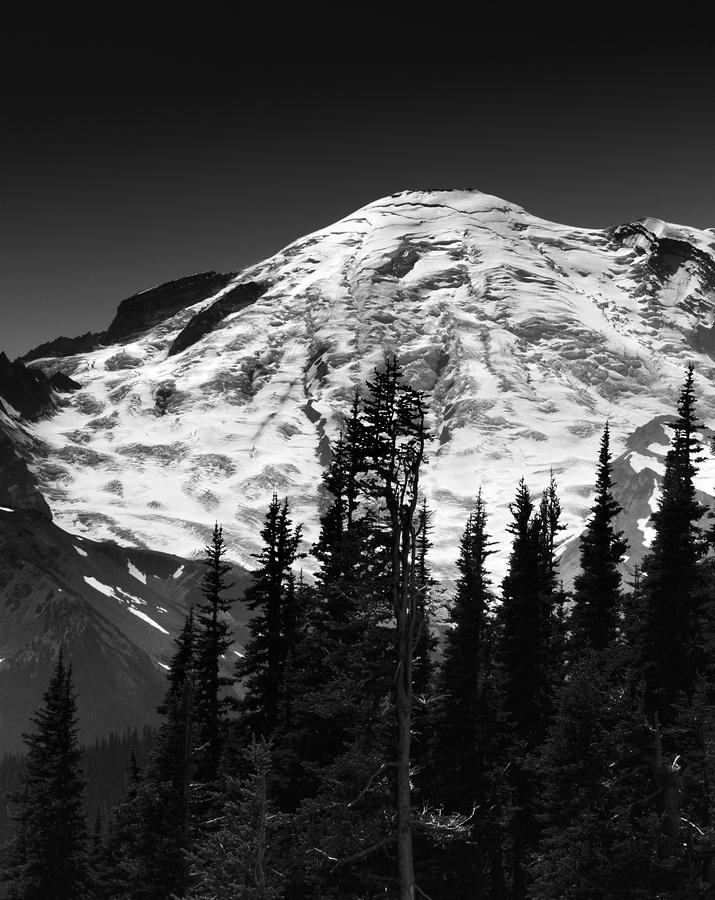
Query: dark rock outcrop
27,390
666,255
135,315
30,391
143,311
204,322
64,346
18,486
63,383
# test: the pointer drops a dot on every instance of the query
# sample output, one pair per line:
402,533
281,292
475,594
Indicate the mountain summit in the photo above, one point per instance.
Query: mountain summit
526,334
209,393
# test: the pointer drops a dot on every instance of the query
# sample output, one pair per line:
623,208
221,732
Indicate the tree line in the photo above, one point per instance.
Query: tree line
557,744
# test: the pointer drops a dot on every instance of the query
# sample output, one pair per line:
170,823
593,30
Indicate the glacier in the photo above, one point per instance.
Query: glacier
527,336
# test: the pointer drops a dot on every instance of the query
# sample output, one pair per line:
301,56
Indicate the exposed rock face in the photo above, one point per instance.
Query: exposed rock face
141,312
18,486
137,314
667,254
63,383
64,346
28,391
203,323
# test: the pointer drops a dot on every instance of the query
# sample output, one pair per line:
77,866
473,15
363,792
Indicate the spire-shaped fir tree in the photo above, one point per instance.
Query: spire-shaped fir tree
460,721
597,588
272,597
463,726
167,794
425,642
670,651
212,642
525,615
528,667
51,852
343,615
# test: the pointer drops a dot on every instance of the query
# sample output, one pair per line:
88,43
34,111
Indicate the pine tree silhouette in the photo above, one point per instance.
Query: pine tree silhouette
51,857
597,588
212,642
670,652
273,598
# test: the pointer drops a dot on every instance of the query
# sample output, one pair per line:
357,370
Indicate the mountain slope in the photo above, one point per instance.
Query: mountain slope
113,612
527,335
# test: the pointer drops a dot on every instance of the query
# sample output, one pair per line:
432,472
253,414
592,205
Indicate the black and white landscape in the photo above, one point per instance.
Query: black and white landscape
380,565
206,395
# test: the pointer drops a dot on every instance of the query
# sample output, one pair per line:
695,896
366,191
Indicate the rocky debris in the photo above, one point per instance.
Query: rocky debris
122,361
204,322
163,396
142,311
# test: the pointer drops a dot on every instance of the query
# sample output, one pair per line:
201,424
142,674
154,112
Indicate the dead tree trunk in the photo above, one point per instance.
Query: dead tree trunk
395,432
403,698
403,507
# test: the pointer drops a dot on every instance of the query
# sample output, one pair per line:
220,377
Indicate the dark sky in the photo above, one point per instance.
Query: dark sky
133,152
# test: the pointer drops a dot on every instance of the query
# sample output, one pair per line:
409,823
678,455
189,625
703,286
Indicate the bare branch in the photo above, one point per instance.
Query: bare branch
385,765
693,825
322,853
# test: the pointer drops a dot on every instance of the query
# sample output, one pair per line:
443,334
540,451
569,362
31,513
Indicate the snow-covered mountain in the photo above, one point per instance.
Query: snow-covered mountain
527,335
206,395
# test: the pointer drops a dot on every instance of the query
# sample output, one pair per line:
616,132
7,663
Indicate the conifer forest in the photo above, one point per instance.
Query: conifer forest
383,736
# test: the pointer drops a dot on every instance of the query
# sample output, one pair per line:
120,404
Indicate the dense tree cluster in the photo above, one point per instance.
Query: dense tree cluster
550,745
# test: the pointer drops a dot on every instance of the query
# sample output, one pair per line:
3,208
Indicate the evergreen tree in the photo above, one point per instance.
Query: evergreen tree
549,525
595,785
120,875
325,679
425,641
273,628
394,434
151,830
463,726
51,848
341,713
525,614
459,724
527,670
165,799
236,859
211,645
96,859
670,651
597,588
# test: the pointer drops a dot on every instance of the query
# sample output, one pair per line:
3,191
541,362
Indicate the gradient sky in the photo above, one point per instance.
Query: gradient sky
134,152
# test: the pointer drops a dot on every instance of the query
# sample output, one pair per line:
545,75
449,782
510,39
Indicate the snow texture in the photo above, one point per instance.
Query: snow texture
527,335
